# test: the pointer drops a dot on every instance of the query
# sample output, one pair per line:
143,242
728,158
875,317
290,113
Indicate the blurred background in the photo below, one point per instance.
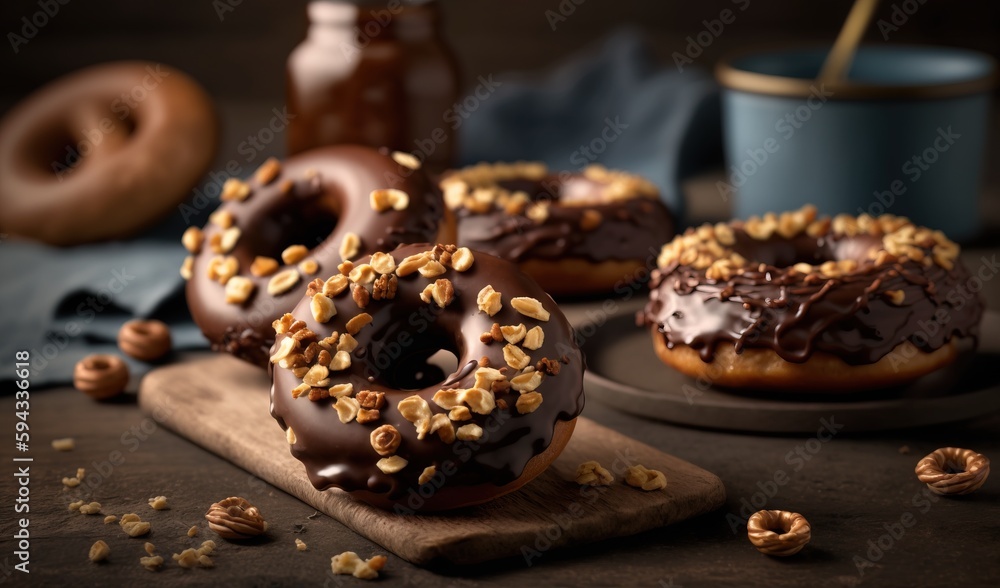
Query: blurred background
237,49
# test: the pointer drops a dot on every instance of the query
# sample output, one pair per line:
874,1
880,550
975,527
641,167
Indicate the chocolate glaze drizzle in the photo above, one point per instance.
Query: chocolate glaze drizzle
795,316
404,332
629,227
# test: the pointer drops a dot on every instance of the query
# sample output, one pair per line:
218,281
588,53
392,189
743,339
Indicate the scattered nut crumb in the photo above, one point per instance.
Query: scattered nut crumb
99,551
158,503
235,518
645,478
133,525
110,519
91,509
149,547
193,531
591,473
151,563
66,444
300,545
349,563
75,506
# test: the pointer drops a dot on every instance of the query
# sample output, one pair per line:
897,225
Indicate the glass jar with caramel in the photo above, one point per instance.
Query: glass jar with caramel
373,73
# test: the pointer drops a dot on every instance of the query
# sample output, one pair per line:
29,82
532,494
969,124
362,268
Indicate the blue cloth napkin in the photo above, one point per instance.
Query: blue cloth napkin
614,105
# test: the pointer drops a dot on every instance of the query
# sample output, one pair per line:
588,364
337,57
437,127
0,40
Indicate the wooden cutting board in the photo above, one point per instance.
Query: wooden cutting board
221,403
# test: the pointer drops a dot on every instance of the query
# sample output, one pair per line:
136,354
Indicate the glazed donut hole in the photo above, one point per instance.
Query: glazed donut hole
67,144
308,222
414,367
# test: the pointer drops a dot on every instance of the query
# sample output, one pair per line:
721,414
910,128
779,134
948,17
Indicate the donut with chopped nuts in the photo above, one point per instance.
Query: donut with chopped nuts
793,302
575,233
292,221
365,410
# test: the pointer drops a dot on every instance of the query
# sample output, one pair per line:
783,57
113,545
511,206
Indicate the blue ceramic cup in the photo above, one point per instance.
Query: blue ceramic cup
904,135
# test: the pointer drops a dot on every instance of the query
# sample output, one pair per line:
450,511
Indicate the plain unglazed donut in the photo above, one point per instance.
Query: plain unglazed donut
364,410
575,233
799,303
103,152
292,221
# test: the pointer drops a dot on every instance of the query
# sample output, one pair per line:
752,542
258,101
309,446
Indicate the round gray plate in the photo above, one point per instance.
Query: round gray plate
624,372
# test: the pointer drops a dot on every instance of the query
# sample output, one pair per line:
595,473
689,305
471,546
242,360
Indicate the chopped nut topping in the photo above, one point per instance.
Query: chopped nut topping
358,322
294,254
158,503
360,295
590,220
528,402
513,333
317,376
385,440
234,189
300,390
341,361
285,349
406,159
441,425
447,398
515,357
322,308
345,268
239,289
896,297
347,408
647,479
228,239
460,413
99,551
527,381
462,259
309,266
187,268
350,246
411,264
382,200
370,399
384,287
349,563
538,212
383,263
283,282
550,367
391,465
347,343
222,219
530,307
264,266
489,300
339,390
591,473
64,444
192,239
469,432
414,409
193,531
432,269
335,285
534,338
442,292
427,475
268,171
222,269
233,518
290,436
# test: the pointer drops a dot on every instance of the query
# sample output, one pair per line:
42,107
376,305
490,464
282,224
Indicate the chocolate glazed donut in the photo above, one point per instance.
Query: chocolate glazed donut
792,302
289,222
365,412
103,152
575,233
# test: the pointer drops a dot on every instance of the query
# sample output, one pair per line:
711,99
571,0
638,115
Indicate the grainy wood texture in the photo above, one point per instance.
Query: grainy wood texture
221,404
